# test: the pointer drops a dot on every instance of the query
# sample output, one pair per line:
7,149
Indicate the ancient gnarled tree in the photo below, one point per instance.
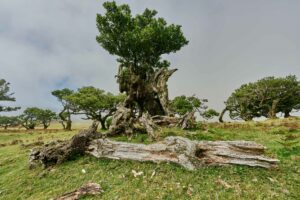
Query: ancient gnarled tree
139,42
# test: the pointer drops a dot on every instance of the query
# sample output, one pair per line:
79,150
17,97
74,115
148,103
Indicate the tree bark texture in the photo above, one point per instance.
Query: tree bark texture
187,153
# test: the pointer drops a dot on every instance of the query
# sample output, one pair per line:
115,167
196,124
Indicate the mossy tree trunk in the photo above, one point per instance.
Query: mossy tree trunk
147,92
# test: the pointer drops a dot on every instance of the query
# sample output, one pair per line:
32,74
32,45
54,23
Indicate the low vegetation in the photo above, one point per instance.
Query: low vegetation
143,113
129,179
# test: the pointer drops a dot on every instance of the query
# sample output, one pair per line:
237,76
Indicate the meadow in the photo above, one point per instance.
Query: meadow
158,181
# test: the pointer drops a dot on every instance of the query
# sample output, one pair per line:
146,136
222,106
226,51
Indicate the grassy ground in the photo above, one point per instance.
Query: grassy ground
159,181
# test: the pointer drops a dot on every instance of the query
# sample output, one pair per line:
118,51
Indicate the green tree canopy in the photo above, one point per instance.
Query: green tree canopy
182,105
29,118
65,113
34,116
94,103
6,95
8,121
265,98
139,40
45,116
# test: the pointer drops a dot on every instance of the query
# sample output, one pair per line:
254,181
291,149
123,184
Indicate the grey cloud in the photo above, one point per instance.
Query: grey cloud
50,44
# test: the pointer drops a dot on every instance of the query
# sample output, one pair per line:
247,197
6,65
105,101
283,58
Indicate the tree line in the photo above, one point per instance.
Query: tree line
264,98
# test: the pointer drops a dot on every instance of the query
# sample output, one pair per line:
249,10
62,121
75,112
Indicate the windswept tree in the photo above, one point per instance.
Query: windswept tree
94,103
139,43
46,116
34,116
8,121
66,112
6,95
264,98
29,118
182,105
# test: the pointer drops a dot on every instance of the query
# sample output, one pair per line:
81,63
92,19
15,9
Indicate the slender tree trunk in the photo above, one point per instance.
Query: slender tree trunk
63,124
103,126
272,110
287,114
69,125
222,114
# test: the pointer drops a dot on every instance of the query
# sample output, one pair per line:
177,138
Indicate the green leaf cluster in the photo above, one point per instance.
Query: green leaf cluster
138,41
265,97
34,116
8,121
94,103
6,95
182,105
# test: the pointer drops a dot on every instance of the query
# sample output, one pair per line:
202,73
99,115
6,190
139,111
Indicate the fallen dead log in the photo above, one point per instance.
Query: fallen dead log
59,151
187,153
88,189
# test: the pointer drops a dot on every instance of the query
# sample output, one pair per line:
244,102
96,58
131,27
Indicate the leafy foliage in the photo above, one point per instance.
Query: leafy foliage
94,103
182,105
45,116
34,116
138,41
65,113
8,121
266,97
209,114
5,95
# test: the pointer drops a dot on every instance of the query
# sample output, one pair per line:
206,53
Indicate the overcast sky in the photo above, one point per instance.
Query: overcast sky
50,44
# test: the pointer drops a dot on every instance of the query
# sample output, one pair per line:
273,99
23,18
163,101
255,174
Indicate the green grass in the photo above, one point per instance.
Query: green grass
169,182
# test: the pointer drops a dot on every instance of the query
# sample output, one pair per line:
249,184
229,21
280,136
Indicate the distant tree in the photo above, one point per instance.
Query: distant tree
286,92
5,95
45,116
264,98
65,113
94,103
209,114
8,121
29,118
34,116
183,104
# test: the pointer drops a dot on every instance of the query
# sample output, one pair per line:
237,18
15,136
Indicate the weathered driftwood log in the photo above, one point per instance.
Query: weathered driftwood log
88,189
59,151
187,153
